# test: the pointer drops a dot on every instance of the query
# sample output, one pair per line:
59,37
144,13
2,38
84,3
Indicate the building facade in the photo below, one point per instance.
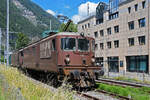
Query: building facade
122,35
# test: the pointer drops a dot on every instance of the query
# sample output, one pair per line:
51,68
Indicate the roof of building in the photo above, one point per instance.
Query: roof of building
123,2
86,19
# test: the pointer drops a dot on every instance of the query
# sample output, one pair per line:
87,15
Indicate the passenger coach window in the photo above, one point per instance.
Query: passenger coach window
68,43
53,44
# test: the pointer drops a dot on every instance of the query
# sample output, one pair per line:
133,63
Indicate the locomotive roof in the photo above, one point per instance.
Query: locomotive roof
58,34
67,33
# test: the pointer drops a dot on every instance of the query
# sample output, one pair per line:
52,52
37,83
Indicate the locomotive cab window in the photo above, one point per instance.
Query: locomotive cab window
83,44
68,43
53,45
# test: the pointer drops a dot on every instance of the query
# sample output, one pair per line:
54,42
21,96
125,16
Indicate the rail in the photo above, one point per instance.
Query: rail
112,94
87,96
121,83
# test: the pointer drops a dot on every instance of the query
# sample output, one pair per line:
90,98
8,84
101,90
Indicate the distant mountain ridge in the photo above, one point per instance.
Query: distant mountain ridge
27,17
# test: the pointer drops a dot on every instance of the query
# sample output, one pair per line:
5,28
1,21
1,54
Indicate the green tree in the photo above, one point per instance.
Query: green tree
22,40
72,27
2,53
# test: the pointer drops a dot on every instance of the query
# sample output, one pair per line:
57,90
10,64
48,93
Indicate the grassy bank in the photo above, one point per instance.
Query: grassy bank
135,93
29,90
1,94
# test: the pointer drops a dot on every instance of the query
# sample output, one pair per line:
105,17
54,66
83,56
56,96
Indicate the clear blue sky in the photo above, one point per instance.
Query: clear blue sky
66,7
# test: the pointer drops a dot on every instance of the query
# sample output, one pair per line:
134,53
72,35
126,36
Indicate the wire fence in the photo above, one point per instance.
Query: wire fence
128,76
113,70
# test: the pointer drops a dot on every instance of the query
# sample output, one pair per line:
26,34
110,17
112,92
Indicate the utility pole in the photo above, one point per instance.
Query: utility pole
7,51
0,44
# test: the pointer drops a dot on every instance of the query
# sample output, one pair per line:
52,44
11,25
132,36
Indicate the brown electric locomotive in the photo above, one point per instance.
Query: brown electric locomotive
65,55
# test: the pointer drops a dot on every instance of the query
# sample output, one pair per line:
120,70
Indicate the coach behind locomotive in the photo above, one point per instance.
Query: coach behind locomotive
62,55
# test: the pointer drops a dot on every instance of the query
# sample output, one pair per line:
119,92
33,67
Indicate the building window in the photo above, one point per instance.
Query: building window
102,46
143,4
82,27
136,7
113,16
108,45
129,10
85,26
101,32
131,25
141,40
88,25
100,61
99,21
137,63
53,45
116,29
131,41
109,31
96,34
142,22
113,64
113,5
116,43
96,47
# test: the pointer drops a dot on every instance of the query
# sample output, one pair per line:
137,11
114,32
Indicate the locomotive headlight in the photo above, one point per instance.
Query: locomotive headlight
67,59
93,60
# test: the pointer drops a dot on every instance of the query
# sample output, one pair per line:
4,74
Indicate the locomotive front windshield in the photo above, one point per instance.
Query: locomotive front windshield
68,43
83,44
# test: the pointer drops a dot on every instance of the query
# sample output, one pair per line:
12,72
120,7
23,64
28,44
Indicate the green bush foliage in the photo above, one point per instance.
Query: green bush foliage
22,40
72,27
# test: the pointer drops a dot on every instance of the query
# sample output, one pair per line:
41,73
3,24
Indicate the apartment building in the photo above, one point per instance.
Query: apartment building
122,38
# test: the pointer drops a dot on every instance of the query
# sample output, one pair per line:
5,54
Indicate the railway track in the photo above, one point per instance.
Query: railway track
121,83
89,97
114,95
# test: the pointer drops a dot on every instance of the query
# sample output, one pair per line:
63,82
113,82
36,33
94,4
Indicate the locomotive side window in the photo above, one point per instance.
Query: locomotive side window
83,44
68,43
22,53
53,44
45,49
